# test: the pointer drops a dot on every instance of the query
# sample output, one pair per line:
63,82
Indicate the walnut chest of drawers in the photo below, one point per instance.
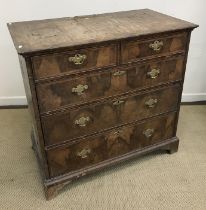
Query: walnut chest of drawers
101,89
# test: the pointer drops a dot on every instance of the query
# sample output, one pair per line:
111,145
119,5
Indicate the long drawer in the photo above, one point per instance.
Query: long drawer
76,123
109,145
57,94
135,50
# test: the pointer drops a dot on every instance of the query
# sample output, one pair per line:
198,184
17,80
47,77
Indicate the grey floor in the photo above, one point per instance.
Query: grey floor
155,181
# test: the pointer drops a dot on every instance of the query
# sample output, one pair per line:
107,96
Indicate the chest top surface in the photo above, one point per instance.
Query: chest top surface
41,35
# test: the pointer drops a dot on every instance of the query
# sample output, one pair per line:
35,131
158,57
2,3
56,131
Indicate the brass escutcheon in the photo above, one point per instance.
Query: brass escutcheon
117,132
79,89
149,132
156,46
151,102
82,121
78,59
84,153
118,102
119,73
153,73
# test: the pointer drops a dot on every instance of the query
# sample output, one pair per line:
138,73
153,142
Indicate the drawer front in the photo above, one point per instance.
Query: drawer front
87,120
109,145
135,50
54,95
72,61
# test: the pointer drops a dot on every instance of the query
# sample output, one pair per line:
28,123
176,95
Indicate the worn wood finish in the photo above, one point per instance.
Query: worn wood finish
101,89
54,186
62,127
60,63
57,94
109,145
68,32
37,136
135,49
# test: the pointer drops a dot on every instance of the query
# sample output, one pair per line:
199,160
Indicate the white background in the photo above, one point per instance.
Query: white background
11,84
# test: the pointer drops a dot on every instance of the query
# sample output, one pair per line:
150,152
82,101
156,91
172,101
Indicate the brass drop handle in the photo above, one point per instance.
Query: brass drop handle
78,59
156,45
82,121
149,132
84,153
153,74
118,102
79,89
119,73
151,102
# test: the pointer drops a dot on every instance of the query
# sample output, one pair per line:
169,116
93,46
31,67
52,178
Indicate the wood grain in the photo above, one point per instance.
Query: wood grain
61,127
58,94
109,145
135,49
131,97
36,133
59,64
58,33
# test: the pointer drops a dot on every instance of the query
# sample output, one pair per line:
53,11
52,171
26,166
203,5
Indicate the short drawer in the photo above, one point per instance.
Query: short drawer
84,121
136,49
57,64
112,144
61,93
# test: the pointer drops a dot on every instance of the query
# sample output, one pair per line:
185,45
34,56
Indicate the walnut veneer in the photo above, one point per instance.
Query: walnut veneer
101,89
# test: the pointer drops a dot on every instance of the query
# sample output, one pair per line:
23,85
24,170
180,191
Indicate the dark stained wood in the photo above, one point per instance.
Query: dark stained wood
66,32
34,112
54,186
58,94
58,64
172,148
52,190
135,50
61,127
122,111
182,83
109,145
